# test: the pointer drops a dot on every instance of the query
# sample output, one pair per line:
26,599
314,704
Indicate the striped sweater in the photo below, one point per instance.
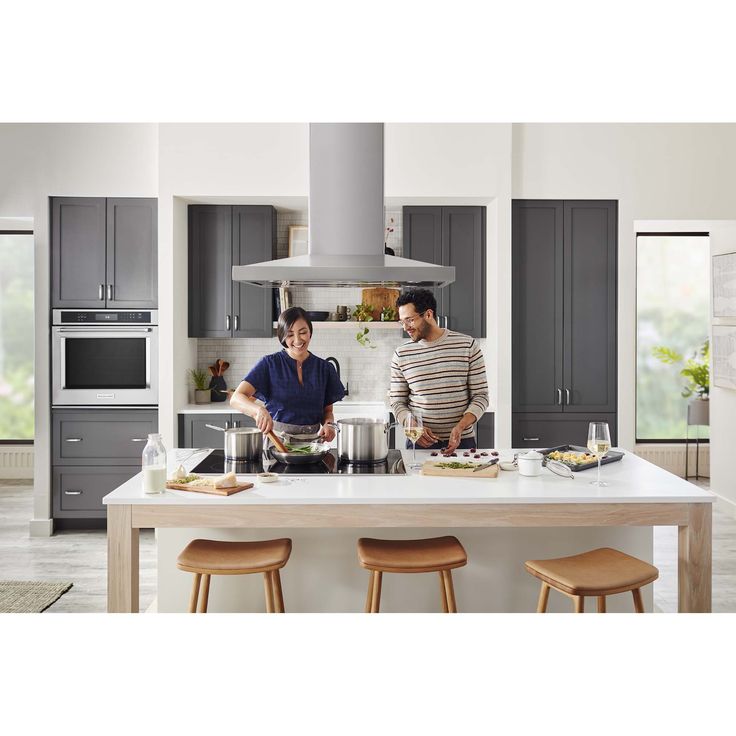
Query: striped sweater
440,380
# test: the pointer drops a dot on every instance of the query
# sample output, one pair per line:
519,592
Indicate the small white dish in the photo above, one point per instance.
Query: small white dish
267,477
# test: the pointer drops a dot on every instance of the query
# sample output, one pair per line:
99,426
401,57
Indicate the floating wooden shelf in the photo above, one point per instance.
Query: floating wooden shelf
354,325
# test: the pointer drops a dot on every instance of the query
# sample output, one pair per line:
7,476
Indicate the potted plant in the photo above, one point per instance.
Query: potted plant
200,381
388,314
363,313
696,370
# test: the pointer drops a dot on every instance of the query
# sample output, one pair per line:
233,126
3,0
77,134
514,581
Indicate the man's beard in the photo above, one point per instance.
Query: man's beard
420,333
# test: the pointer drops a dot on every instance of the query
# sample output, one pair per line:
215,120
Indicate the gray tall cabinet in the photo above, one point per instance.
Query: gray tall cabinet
220,237
564,320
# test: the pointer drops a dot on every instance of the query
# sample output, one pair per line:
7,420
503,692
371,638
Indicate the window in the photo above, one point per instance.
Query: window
16,336
672,311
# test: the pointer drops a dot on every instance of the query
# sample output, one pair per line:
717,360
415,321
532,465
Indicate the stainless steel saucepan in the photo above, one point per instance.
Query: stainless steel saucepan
362,440
241,443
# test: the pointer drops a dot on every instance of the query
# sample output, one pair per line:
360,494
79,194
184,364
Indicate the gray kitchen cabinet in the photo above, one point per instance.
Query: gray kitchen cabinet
221,236
485,431
564,285
550,430
132,253
452,236
104,252
93,452
193,431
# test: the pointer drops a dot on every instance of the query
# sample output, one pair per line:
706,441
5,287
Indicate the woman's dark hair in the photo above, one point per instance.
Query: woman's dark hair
287,319
422,299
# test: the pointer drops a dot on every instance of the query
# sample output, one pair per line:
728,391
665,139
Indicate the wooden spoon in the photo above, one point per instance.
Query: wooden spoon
280,446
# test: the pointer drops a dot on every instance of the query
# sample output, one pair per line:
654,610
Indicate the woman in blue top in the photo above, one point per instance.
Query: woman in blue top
297,388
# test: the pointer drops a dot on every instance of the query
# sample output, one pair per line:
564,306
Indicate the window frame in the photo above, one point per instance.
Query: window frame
667,234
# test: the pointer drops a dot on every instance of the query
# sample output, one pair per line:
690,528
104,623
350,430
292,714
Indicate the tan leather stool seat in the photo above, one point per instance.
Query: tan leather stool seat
439,554
234,558
207,557
411,555
600,572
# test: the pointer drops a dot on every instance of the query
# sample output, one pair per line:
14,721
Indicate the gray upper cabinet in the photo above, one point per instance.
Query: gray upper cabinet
254,240
564,312
452,236
78,277
132,255
104,252
221,236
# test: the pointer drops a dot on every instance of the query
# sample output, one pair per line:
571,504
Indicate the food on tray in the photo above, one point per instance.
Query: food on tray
179,474
192,479
457,466
572,458
302,449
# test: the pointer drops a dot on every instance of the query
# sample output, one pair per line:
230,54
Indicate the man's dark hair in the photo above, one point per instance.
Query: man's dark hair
422,299
287,319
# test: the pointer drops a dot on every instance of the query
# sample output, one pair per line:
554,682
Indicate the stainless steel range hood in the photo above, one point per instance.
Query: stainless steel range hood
346,225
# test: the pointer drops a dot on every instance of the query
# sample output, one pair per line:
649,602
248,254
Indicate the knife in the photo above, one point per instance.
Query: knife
486,465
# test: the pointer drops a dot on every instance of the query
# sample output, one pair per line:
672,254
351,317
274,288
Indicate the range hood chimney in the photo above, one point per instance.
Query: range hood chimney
346,225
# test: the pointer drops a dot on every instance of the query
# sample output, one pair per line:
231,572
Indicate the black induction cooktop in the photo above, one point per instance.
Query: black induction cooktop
215,462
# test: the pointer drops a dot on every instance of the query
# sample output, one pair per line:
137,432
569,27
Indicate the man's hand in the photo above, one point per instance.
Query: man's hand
428,438
455,436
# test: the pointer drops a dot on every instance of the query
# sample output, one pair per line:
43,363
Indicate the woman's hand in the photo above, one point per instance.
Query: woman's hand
264,422
327,432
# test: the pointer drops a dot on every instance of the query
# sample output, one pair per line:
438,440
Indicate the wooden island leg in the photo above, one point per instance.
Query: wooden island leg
695,560
122,560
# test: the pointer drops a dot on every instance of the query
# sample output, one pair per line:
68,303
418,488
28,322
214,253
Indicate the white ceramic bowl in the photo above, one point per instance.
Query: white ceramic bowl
267,477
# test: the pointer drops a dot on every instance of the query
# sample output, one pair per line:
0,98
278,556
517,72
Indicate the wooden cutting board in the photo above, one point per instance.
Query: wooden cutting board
209,489
430,468
378,298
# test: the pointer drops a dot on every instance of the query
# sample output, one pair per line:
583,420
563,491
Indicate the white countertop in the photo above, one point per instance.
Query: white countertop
630,480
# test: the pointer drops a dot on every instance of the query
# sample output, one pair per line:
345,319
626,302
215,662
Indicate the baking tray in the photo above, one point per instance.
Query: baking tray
611,457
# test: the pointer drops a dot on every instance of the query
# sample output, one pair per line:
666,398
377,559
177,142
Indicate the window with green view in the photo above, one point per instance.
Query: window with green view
16,336
672,317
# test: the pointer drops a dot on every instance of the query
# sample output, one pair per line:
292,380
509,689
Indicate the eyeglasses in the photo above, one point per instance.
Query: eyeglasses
409,321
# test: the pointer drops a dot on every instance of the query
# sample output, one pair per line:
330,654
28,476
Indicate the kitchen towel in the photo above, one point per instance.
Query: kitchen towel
23,596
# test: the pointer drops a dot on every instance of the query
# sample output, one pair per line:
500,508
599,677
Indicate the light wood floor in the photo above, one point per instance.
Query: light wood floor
81,557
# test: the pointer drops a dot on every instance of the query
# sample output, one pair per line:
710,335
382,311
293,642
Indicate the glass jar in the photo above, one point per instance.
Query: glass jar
154,465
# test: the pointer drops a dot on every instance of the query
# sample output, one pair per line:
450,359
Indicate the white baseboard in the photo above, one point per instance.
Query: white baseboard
16,462
41,527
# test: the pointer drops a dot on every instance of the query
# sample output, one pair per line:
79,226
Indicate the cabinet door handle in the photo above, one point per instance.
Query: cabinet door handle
227,322
559,396
530,439
237,321
72,493
567,394
101,292
109,292
137,439
73,439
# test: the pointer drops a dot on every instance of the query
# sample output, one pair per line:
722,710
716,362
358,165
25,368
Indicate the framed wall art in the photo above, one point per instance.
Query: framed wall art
724,285
724,356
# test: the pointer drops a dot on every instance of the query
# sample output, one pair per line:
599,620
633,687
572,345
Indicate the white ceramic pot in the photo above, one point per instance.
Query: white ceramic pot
530,463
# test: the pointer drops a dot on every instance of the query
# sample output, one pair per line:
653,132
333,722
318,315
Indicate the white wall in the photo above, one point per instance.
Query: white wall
84,160
655,171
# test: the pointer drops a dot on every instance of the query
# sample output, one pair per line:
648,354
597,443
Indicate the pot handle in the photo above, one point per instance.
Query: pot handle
389,425
212,426
335,425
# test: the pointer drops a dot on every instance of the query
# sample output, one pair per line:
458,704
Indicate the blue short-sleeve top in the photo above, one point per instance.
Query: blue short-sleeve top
276,382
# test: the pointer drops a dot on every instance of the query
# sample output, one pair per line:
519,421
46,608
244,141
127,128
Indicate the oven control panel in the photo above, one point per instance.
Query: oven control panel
103,316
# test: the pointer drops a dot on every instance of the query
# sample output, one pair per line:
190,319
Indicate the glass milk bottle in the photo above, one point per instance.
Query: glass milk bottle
154,465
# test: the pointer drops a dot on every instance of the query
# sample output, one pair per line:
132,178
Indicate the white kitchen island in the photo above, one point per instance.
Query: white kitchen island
501,522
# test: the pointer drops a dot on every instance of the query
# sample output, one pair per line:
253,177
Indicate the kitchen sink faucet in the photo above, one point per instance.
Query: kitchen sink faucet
337,368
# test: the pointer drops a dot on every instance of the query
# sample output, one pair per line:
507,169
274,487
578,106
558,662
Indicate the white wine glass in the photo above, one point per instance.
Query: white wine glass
599,443
413,429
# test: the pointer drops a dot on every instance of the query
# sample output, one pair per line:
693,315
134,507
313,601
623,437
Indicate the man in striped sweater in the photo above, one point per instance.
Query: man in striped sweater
439,375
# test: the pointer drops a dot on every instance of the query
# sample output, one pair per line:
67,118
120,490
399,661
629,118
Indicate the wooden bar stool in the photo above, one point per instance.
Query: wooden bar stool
440,554
598,573
206,557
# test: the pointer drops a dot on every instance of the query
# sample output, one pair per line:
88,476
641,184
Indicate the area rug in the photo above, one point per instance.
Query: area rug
22,596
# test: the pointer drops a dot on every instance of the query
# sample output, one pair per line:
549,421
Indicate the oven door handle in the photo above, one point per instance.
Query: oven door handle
98,331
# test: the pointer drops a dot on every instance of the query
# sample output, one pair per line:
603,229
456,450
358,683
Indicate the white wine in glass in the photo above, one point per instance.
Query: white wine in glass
599,443
413,430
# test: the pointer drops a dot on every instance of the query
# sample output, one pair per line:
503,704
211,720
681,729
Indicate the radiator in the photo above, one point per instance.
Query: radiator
672,458
16,461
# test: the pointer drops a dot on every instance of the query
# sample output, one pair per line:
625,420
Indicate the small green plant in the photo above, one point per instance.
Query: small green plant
363,313
696,370
200,380
363,339
388,314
